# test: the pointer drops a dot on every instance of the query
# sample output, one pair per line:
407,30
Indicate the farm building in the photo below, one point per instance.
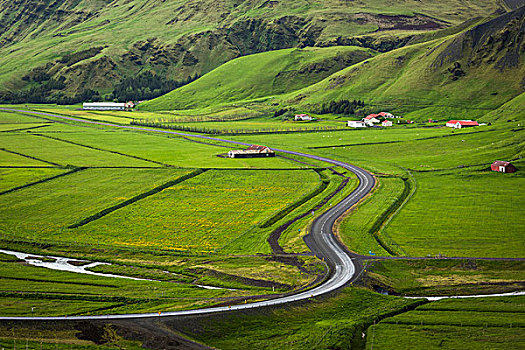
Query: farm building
303,117
458,124
386,123
104,106
385,115
254,151
503,167
371,119
356,124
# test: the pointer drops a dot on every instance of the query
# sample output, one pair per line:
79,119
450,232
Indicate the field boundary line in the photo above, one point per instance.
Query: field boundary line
30,157
22,129
384,220
102,150
323,185
136,198
76,170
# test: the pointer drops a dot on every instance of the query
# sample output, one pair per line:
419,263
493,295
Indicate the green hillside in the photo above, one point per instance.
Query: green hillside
68,50
465,75
261,75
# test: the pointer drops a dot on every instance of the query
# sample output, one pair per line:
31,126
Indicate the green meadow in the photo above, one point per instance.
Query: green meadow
491,323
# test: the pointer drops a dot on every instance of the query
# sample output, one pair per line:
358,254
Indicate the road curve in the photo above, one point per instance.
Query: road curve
321,239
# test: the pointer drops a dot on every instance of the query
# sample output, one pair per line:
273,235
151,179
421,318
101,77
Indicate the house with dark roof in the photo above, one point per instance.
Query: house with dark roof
254,151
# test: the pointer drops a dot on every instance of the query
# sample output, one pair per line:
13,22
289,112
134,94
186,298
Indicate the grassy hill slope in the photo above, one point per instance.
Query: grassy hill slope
67,48
464,75
260,75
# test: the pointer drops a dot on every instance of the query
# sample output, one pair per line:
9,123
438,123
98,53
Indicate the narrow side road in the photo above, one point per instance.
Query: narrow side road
344,267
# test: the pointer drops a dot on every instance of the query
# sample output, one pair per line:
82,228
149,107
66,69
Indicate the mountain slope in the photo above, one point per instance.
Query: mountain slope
67,48
260,75
465,75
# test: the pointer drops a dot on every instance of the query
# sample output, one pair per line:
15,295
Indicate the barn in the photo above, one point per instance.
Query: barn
104,106
458,124
254,151
503,167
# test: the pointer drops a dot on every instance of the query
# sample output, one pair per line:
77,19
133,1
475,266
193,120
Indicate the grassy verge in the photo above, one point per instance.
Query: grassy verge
447,277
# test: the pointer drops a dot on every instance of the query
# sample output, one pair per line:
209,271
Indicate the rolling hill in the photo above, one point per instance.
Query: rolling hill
69,50
466,74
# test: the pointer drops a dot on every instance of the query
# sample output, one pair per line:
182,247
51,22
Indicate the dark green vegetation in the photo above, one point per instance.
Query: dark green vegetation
74,50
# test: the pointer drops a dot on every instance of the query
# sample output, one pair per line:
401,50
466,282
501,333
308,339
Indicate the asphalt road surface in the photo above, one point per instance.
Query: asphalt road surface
344,266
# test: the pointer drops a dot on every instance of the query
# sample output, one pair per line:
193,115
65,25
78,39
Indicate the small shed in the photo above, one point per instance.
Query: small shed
386,123
356,124
503,167
303,117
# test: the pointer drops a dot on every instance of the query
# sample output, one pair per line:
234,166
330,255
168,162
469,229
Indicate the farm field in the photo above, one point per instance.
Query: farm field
495,323
255,125
463,220
11,178
335,322
204,213
44,211
435,277
359,230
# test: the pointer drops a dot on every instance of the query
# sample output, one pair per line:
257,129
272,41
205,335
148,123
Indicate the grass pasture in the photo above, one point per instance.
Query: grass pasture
491,323
435,277
44,211
459,213
204,213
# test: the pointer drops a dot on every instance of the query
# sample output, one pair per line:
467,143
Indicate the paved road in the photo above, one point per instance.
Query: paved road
320,240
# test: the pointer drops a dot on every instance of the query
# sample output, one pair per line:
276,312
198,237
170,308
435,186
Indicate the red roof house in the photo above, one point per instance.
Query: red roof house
503,167
458,124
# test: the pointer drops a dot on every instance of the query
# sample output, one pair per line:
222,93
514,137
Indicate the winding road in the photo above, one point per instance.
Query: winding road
321,240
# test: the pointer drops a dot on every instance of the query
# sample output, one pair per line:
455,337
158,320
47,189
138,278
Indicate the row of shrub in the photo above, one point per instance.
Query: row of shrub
211,131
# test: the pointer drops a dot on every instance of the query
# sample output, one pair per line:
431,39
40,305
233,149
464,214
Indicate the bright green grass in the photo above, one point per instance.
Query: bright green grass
64,153
204,213
43,307
473,147
44,211
257,125
463,213
171,150
18,118
10,178
355,229
254,76
50,287
448,277
335,322
4,127
487,323
11,159
339,139
103,116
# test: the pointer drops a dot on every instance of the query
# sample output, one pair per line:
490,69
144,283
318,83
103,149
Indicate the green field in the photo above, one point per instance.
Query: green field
446,277
492,323
205,213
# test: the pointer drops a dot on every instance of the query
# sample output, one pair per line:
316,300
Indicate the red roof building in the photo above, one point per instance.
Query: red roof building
503,167
458,124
